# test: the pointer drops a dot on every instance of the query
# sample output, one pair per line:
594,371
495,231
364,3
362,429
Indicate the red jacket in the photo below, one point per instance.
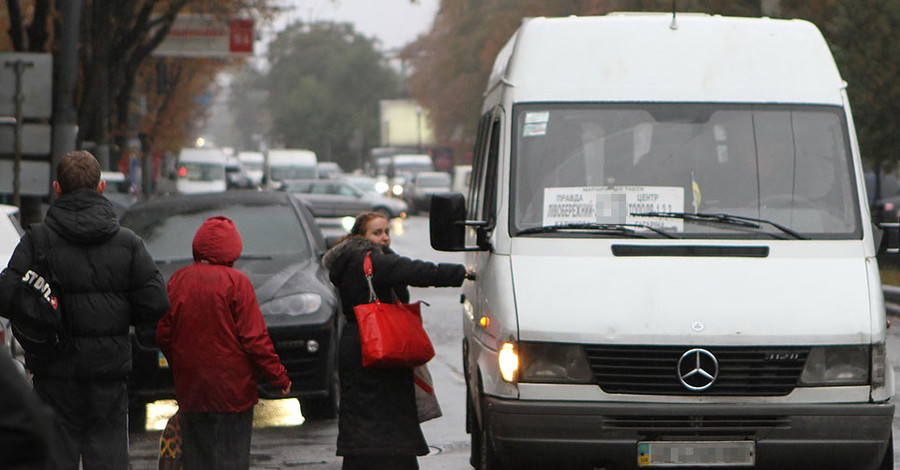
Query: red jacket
213,334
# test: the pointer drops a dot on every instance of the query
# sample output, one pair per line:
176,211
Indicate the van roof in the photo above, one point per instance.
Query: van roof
201,155
639,57
307,157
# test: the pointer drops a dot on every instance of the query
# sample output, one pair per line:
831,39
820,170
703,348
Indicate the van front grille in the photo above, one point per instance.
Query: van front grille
653,370
703,426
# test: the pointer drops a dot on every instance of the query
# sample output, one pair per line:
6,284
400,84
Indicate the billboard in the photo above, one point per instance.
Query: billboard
207,36
405,124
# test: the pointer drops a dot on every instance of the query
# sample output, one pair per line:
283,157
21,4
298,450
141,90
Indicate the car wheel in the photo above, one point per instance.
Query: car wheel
137,416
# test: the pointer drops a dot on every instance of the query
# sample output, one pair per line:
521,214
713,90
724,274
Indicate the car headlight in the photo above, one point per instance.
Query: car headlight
397,190
297,304
382,187
837,365
554,363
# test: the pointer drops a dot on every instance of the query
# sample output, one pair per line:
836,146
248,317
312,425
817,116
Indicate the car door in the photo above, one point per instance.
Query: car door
323,199
351,200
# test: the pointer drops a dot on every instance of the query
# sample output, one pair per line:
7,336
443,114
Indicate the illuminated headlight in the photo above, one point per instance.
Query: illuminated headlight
347,223
837,365
397,190
382,187
554,363
508,360
298,304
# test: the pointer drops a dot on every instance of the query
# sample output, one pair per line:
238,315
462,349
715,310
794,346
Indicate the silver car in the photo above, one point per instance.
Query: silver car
338,198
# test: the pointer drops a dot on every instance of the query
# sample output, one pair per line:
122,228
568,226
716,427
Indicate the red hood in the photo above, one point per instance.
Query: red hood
217,241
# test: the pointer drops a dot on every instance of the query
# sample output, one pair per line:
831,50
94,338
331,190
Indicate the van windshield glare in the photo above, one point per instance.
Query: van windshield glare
604,163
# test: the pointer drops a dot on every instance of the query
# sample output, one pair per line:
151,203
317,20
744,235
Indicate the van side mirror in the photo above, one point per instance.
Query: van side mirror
890,238
447,222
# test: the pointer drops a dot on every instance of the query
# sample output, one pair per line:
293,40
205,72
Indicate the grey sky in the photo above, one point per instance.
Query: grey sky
395,23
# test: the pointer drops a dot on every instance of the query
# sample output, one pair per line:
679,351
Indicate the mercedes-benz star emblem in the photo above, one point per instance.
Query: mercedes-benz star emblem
698,369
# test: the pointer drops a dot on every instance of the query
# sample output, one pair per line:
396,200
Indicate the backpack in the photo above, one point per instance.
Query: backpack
36,313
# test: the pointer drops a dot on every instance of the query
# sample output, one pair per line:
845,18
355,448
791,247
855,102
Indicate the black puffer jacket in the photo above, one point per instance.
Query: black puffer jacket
378,406
108,279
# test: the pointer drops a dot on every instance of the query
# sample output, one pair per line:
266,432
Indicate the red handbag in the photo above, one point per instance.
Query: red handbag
392,334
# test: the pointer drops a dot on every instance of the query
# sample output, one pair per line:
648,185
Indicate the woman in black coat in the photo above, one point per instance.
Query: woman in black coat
378,426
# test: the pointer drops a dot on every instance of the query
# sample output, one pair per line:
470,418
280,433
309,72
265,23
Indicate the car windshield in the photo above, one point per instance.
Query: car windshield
366,185
266,230
433,181
607,164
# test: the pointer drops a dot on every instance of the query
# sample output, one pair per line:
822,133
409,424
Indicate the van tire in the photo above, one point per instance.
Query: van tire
486,457
887,463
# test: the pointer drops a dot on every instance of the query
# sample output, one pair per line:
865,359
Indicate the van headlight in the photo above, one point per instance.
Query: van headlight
838,365
554,363
297,304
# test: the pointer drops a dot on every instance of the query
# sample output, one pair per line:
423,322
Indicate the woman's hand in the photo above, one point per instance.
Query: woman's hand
286,389
470,274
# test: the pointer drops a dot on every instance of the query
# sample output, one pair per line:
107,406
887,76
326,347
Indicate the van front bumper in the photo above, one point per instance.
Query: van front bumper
605,435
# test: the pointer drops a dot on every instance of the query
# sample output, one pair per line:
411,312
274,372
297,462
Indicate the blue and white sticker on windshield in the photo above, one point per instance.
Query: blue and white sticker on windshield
605,205
536,123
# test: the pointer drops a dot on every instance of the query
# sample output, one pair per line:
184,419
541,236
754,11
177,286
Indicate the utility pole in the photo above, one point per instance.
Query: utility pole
65,78
18,67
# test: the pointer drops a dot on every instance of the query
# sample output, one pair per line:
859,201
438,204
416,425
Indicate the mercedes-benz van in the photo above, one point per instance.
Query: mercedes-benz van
675,260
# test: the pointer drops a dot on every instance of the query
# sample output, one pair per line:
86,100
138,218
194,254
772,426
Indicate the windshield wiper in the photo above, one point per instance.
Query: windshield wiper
722,219
606,229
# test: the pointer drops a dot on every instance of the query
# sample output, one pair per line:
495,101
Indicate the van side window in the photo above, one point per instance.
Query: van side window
483,190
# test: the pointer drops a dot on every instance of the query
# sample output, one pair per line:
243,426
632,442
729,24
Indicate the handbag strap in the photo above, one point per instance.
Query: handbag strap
367,269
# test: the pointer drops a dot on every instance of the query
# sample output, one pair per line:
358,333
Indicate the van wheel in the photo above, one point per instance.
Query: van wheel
474,432
487,455
887,463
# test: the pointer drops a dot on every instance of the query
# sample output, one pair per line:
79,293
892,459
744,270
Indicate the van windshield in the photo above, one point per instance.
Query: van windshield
609,163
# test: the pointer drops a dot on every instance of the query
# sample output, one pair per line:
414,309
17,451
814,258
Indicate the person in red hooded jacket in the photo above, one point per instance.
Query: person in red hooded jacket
216,342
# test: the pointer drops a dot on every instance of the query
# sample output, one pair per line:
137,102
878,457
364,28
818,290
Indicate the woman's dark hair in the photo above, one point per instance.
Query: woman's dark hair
360,225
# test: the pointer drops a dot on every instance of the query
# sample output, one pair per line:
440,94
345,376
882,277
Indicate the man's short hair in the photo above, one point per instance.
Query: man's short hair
76,170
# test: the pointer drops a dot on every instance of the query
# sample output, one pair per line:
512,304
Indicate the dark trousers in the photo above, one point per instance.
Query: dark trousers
91,419
218,441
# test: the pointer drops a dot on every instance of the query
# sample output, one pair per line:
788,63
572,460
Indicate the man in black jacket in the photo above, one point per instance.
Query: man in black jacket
108,282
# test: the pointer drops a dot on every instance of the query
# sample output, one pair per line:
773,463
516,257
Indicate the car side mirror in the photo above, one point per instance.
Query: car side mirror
447,223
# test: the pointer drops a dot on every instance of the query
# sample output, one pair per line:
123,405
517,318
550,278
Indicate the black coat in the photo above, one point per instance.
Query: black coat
378,405
108,281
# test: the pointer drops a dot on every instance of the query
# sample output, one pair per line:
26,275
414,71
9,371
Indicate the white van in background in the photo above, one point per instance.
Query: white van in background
674,254
201,170
290,164
253,166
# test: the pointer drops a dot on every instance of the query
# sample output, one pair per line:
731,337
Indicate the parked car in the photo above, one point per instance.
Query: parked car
10,233
887,207
282,254
337,198
423,186
328,170
235,174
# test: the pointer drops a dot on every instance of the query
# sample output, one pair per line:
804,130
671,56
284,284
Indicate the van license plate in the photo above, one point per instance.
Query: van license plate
690,453
161,359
